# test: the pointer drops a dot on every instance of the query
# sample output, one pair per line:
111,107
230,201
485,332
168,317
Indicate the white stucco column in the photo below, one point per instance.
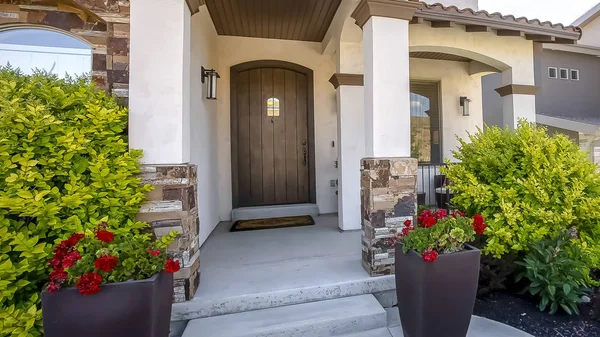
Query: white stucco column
159,85
518,95
351,147
516,107
387,87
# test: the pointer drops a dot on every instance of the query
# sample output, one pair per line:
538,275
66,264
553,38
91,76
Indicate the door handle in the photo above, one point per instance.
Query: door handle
304,152
305,156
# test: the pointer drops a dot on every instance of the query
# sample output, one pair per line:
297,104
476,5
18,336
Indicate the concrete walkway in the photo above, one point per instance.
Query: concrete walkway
480,327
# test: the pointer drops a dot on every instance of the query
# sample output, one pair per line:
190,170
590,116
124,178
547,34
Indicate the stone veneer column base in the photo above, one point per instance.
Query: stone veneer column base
388,198
171,206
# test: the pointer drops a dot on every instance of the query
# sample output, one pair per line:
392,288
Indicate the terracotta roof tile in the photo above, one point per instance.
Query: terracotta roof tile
495,17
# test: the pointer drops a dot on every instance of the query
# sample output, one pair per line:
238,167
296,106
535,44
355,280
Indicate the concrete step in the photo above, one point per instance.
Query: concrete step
336,317
267,212
206,306
382,332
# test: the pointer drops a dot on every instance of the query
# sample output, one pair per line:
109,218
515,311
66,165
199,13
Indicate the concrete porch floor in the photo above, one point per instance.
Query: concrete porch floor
250,271
261,269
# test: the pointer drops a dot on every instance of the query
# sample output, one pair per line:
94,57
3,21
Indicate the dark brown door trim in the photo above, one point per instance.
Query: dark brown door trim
235,70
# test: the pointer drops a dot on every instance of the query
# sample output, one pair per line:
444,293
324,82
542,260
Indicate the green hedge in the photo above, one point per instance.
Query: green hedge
64,166
529,187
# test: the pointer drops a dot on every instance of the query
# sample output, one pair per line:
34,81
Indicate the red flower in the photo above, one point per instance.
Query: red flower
153,252
59,275
406,231
74,239
89,283
424,215
172,266
61,250
457,214
106,263
53,287
441,214
430,255
408,223
56,262
71,259
105,236
478,224
429,222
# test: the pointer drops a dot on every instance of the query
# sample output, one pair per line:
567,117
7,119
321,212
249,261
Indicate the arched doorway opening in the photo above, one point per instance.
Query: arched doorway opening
272,134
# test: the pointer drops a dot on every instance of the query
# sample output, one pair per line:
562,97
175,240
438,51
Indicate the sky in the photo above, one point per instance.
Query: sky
556,11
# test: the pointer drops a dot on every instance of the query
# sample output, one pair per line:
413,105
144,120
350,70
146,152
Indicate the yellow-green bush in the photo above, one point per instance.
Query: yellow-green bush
529,187
64,166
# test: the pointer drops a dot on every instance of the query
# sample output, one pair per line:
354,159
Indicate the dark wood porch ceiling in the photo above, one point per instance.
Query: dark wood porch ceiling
304,20
439,56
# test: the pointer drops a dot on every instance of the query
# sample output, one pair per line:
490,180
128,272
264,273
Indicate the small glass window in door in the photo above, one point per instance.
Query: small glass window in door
273,107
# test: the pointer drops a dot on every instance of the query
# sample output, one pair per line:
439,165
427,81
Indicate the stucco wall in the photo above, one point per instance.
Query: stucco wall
492,102
455,81
204,150
236,50
512,55
565,96
591,31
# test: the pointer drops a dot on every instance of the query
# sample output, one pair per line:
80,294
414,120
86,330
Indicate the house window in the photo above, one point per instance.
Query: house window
273,107
575,74
564,74
552,72
425,122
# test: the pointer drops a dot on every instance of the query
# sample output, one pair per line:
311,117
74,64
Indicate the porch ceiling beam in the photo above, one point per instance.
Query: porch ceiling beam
540,38
416,21
564,41
443,24
507,32
194,5
478,29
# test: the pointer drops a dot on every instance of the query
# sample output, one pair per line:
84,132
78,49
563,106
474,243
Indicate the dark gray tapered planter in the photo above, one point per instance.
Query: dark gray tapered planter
127,309
436,299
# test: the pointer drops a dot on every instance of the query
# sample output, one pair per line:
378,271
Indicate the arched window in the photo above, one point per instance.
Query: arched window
39,48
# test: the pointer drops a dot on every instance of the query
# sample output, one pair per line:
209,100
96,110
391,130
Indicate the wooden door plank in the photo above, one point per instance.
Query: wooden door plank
292,156
302,137
243,138
267,138
255,143
235,193
279,130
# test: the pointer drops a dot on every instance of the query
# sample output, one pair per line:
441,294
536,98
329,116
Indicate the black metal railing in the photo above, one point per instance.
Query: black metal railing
432,187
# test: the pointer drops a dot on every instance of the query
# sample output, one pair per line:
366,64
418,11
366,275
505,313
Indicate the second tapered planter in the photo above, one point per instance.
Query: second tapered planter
436,299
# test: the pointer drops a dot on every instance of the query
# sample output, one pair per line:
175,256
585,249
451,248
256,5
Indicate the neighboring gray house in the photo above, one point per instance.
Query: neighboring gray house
568,77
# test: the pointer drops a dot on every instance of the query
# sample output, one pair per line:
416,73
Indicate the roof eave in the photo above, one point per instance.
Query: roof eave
567,124
562,35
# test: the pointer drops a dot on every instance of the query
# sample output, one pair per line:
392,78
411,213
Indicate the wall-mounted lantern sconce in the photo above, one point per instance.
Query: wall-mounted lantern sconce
209,76
464,104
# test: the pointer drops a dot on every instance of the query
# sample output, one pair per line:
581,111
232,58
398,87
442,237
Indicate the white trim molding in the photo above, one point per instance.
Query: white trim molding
567,124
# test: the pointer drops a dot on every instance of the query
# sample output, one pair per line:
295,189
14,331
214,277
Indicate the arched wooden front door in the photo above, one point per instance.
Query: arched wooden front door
272,134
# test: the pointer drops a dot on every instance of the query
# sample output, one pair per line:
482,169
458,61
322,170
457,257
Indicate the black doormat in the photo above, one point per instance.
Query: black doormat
289,221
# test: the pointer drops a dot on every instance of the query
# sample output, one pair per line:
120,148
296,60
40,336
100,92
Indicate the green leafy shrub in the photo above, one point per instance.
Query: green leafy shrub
529,187
64,166
556,274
